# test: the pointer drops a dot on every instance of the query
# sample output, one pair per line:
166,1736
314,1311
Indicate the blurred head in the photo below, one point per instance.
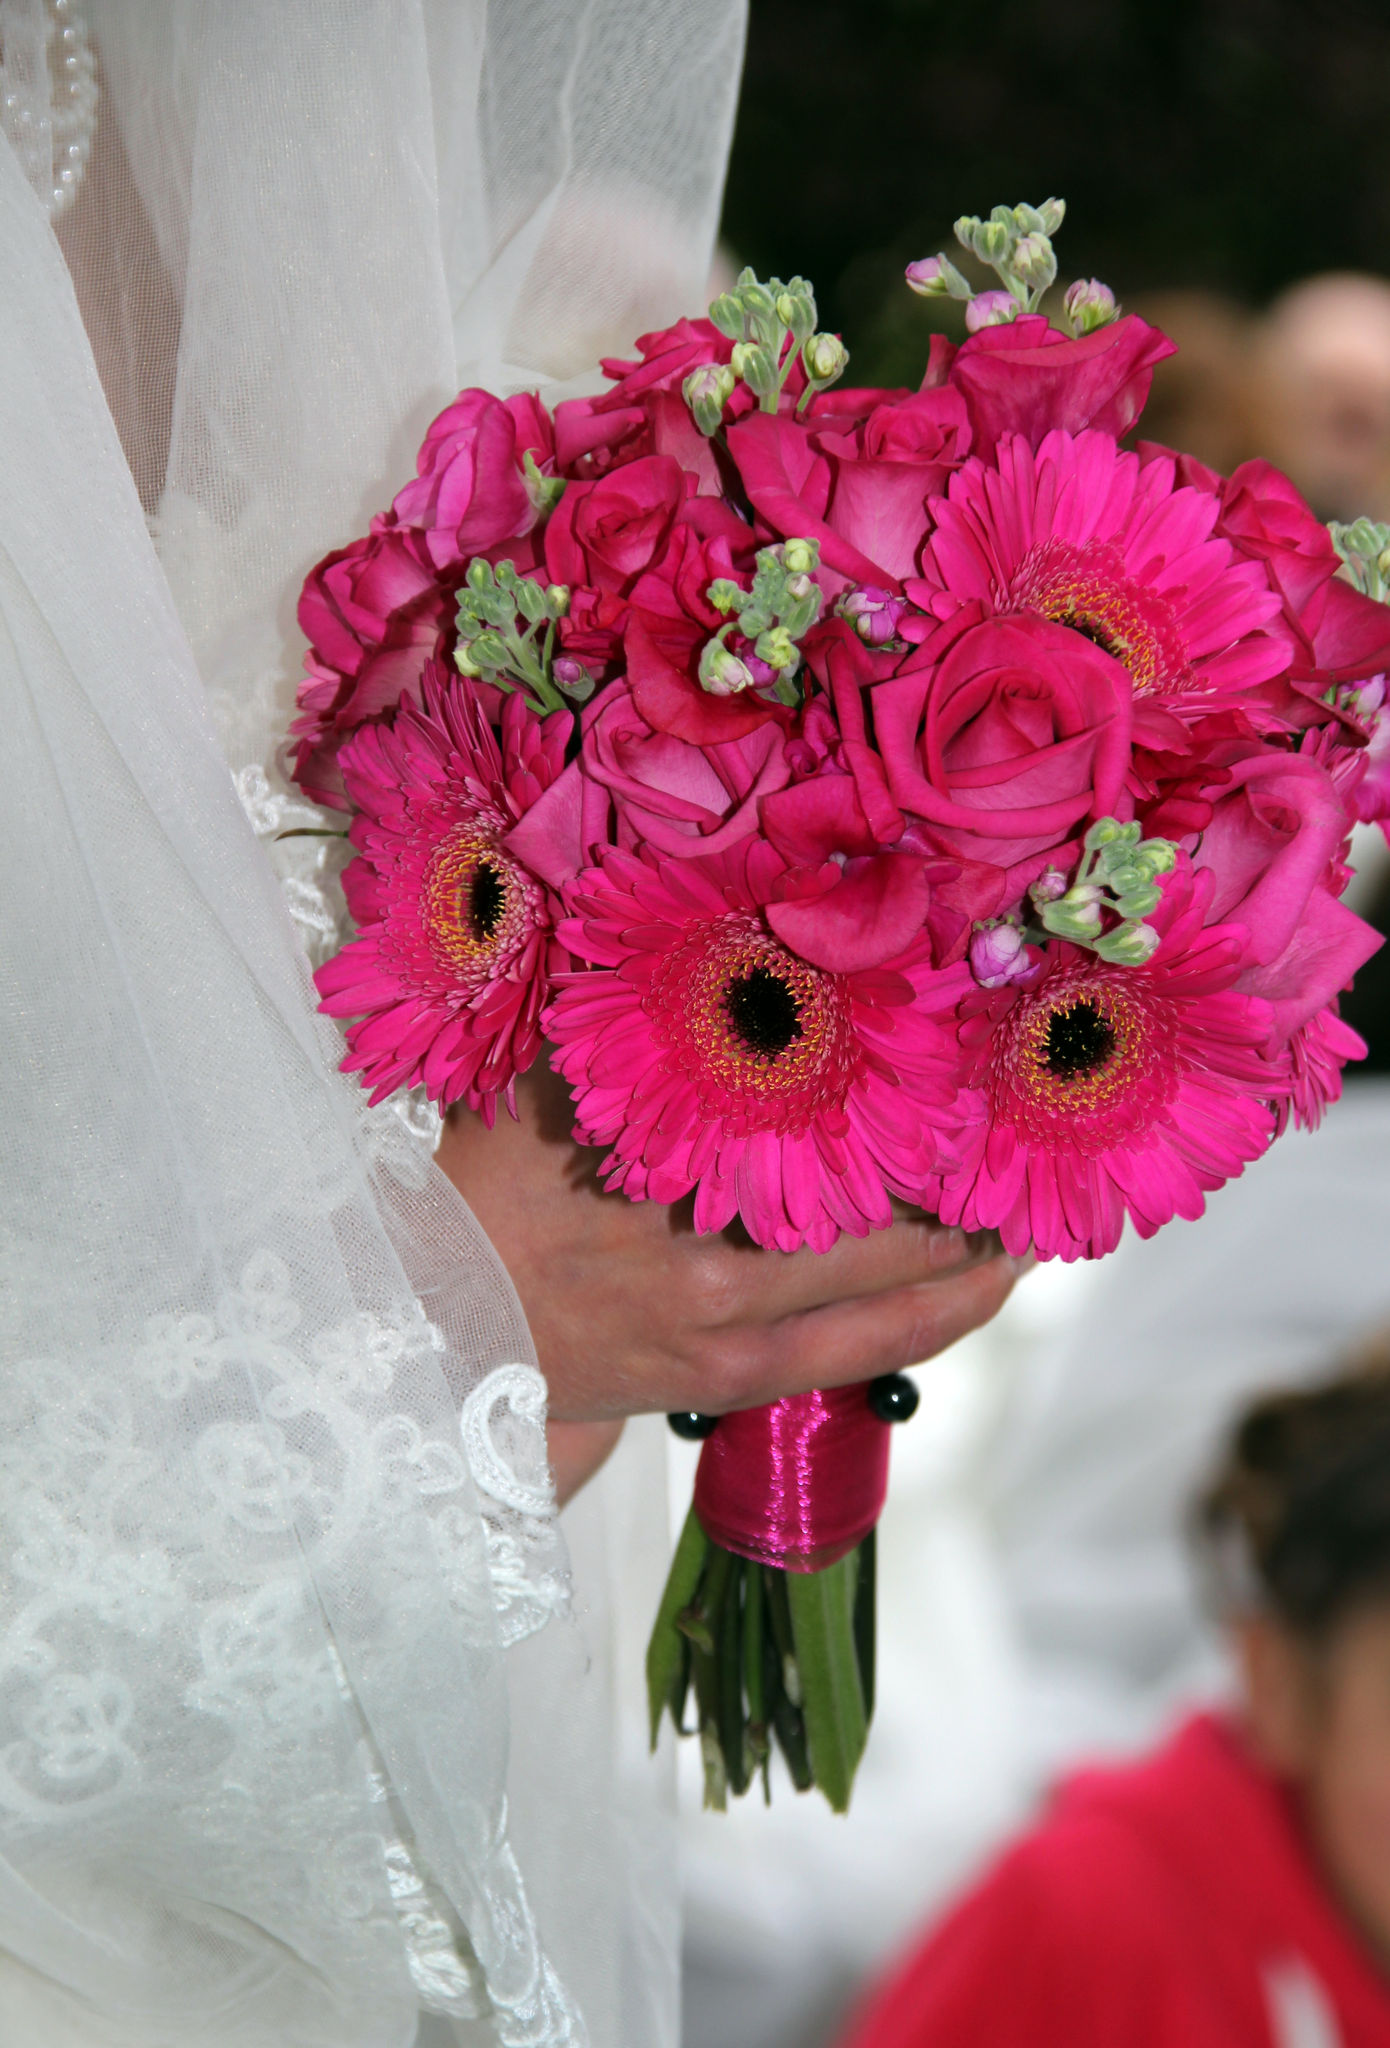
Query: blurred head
1301,1511
1322,392
1200,397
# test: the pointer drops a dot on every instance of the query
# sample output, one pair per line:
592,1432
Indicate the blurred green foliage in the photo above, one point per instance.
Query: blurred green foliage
1231,144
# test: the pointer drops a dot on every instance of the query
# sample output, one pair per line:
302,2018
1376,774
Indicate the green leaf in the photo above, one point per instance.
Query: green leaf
784,1718
728,1678
779,1667
668,1651
832,1699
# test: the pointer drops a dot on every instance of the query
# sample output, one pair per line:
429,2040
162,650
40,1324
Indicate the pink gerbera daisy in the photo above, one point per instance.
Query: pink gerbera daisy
1085,534
1100,1091
1318,1051
711,1058
450,966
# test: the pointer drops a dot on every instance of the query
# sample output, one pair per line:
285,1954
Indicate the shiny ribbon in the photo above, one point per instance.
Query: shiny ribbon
797,1484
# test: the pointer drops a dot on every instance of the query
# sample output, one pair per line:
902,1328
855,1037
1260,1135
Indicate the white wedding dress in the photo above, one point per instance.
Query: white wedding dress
306,1726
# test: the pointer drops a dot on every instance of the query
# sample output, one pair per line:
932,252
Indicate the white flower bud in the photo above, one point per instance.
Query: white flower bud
800,557
1089,304
707,391
825,357
1129,945
1034,262
722,674
993,241
991,309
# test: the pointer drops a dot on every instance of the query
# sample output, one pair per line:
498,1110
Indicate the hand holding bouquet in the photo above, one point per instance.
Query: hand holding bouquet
869,796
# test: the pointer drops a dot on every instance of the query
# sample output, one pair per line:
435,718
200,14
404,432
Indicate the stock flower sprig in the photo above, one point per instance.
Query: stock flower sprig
1116,878
782,606
506,627
772,327
1016,243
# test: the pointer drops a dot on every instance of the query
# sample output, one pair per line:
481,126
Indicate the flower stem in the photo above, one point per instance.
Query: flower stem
668,1652
822,1611
769,1654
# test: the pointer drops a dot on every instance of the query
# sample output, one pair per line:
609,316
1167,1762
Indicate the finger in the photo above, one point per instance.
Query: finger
761,1287
848,1341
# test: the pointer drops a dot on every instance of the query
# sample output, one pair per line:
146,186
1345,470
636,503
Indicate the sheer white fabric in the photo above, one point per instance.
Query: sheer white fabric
279,1542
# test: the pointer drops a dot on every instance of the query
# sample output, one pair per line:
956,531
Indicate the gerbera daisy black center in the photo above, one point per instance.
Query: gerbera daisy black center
475,907
1085,1060
763,1011
1079,1040
487,898
767,1041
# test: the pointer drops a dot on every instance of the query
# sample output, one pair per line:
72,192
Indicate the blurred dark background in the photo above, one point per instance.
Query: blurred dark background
1221,145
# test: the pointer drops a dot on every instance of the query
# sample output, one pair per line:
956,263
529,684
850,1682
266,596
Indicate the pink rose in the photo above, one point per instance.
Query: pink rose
847,904
1328,946
679,798
1004,736
470,494
1276,827
922,426
790,479
1351,640
1028,378
605,534
591,632
884,474
589,441
663,658
855,474
665,358
1268,519
1336,635
620,425
373,613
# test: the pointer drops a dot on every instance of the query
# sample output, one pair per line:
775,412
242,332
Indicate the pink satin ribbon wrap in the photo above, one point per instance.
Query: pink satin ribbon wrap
798,1484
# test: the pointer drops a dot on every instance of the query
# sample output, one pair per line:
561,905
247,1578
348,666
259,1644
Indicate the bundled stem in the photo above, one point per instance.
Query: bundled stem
769,1656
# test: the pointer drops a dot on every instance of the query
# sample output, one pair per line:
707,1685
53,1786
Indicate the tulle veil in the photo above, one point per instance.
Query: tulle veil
306,1723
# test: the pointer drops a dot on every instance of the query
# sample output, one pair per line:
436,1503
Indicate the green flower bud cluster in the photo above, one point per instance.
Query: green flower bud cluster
772,326
506,626
774,615
1117,877
1364,547
1016,243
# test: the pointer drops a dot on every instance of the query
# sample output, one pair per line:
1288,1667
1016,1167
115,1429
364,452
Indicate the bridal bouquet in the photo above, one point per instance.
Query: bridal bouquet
864,795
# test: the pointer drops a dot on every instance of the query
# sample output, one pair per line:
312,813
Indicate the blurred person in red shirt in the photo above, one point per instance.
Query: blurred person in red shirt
1232,1889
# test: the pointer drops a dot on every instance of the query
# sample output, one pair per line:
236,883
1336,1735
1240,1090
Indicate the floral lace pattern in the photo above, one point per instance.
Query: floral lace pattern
529,1579
142,1590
